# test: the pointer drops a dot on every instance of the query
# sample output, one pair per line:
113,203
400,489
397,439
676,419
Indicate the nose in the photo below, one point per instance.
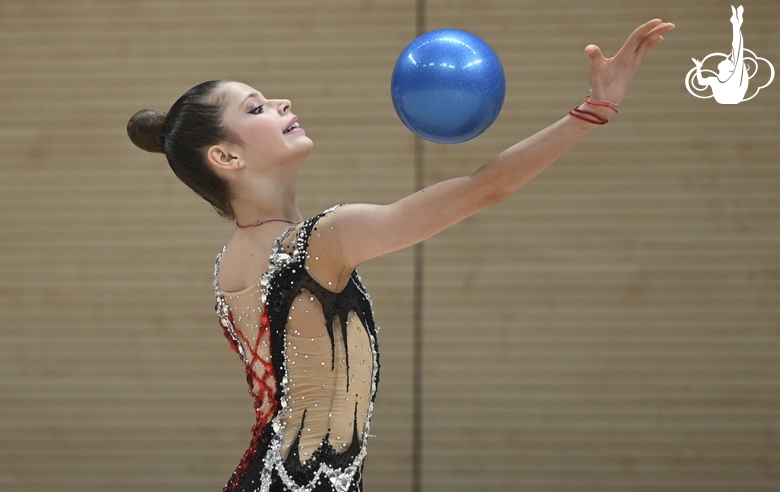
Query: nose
283,105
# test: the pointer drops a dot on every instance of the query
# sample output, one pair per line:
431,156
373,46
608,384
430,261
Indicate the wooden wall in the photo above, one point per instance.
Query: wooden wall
614,326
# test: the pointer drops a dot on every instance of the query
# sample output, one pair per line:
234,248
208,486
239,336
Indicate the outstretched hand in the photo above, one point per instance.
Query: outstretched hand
609,77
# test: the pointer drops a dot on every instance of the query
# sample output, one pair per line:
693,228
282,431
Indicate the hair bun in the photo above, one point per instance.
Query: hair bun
145,130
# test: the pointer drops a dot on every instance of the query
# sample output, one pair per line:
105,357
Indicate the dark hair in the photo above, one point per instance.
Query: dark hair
193,124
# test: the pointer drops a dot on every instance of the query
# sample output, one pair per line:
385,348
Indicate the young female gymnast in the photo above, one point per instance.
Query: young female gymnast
288,297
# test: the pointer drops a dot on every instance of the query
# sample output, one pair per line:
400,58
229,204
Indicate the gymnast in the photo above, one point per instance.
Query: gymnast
288,297
731,83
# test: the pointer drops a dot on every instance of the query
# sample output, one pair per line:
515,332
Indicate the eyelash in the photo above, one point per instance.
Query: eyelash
257,110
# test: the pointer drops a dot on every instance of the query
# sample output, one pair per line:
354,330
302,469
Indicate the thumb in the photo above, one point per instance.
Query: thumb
594,52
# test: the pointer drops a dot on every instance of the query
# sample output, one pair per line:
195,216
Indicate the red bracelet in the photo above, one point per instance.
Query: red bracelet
597,120
588,101
586,119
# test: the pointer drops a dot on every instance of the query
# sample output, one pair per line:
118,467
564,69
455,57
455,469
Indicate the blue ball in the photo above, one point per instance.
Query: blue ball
448,86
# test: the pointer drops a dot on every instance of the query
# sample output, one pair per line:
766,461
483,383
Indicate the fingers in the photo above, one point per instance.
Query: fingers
642,39
636,37
653,37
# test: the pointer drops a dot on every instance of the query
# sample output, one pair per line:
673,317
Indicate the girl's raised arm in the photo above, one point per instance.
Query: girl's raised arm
368,231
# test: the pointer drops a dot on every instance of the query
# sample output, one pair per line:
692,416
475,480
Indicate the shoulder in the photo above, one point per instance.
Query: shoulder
320,244
326,220
322,227
246,257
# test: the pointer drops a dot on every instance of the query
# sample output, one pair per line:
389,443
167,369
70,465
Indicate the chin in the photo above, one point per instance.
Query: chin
304,147
308,142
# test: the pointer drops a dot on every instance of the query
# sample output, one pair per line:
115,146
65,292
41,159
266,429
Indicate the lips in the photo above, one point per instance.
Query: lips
293,125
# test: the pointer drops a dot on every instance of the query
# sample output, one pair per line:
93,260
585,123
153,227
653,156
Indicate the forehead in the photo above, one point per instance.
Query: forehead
236,92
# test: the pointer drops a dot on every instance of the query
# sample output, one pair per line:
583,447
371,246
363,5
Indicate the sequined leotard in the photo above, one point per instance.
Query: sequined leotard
306,334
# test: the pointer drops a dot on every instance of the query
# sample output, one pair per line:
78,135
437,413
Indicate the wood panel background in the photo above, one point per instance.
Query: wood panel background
614,326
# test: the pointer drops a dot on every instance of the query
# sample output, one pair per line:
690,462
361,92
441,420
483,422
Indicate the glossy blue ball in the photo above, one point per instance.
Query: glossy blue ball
448,86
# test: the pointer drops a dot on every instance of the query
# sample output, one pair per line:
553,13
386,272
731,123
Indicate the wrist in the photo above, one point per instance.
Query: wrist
594,100
601,113
595,111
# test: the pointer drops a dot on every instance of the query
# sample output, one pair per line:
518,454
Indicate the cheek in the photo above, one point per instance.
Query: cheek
267,130
258,135
268,143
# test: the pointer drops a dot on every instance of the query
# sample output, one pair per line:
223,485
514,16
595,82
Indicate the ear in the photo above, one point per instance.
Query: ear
224,158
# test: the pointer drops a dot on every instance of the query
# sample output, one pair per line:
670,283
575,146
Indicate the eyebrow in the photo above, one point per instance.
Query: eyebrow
251,95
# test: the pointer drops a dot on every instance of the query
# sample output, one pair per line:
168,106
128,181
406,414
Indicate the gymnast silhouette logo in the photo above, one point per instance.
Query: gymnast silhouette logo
735,70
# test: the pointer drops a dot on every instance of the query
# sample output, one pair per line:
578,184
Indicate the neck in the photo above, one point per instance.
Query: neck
266,201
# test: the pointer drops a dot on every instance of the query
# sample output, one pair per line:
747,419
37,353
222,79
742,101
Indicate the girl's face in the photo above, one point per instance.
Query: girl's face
267,134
